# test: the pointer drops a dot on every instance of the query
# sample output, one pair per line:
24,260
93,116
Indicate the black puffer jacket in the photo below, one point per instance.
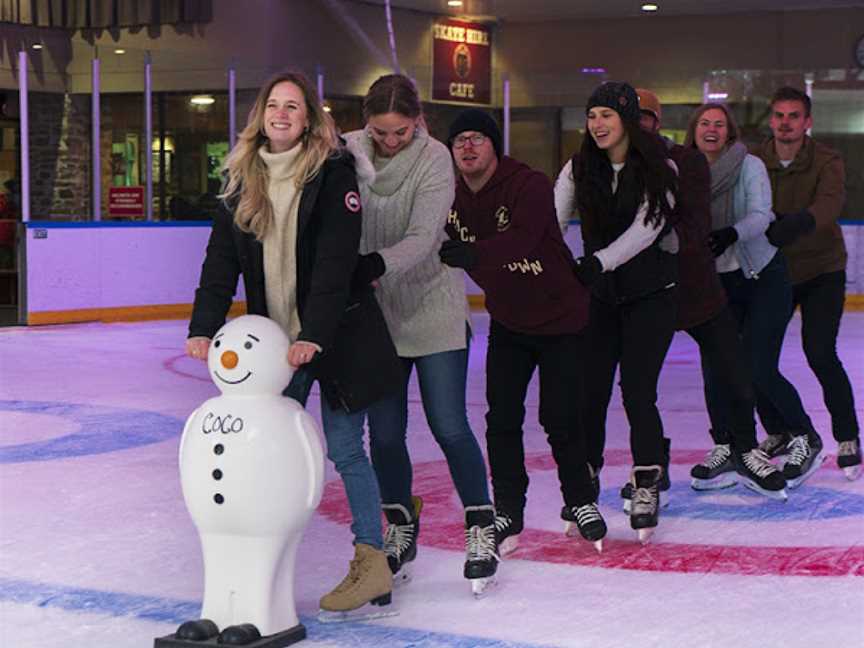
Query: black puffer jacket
342,321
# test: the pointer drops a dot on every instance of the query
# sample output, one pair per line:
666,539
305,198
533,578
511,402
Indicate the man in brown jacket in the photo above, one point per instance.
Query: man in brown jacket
807,182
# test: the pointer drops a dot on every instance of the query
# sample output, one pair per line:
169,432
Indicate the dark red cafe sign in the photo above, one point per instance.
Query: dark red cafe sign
461,62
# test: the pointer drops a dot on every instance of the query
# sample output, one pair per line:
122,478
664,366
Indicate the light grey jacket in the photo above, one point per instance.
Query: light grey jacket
751,210
405,206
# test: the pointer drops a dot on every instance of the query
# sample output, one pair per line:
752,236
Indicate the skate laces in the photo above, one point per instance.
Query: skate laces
397,539
758,463
717,456
644,500
799,450
848,448
772,442
480,543
502,522
586,514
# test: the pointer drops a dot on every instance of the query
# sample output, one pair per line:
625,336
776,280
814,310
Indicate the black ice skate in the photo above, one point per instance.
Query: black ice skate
665,484
805,457
760,475
849,458
645,507
508,526
481,548
400,538
716,471
775,445
588,521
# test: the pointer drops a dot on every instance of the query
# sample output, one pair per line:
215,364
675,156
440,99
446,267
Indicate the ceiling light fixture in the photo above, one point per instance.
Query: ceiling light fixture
37,46
454,3
650,6
119,50
327,108
202,100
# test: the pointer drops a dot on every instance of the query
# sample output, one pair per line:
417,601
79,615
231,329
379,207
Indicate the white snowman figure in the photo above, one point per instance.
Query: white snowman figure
252,471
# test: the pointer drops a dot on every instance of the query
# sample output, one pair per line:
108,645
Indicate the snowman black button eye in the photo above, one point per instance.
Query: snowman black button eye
218,498
218,448
248,345
217,474
217,343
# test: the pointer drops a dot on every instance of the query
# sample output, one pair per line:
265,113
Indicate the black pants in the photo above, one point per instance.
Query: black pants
636,335
723,360
510,363
761,307
821,300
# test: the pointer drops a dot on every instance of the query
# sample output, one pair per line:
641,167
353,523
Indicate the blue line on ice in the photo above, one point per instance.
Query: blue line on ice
740,504
101,429
174,612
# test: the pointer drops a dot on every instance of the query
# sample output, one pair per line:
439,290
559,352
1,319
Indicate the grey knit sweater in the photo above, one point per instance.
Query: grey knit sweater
405,207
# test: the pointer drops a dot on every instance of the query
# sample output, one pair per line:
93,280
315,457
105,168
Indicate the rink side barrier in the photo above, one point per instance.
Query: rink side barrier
134,271
113,271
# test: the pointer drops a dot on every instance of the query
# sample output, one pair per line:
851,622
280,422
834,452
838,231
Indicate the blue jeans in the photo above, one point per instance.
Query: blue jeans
344,435
442,378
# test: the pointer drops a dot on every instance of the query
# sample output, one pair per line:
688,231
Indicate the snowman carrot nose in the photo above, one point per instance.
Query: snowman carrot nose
229,359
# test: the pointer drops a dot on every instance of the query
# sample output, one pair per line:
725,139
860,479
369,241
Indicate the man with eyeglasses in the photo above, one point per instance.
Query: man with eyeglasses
504,233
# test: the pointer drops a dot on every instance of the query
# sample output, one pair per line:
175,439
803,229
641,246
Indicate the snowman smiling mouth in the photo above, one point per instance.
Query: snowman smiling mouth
232,382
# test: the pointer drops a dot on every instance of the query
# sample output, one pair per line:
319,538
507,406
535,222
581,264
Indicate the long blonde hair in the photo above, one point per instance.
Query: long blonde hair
247,172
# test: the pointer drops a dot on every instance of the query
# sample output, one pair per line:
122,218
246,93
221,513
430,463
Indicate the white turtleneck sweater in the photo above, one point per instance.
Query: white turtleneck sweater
280,244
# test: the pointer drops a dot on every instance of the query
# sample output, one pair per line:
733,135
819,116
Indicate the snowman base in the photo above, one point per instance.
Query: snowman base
278,640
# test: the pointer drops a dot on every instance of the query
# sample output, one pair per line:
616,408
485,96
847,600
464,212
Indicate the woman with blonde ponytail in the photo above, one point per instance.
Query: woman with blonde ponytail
289,221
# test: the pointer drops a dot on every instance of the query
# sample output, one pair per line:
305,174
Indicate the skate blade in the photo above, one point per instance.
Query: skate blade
726,480
780,495
571,530
365,613
510,544
645,535
403,576
852,472
797,481
479,586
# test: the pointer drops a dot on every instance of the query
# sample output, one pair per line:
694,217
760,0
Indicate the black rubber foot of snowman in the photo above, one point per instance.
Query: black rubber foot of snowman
239,635
199,630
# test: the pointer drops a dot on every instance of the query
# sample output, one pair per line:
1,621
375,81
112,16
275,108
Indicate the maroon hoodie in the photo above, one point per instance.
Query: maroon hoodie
523,264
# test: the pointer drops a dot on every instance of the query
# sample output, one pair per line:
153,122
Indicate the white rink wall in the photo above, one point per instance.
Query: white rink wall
89,266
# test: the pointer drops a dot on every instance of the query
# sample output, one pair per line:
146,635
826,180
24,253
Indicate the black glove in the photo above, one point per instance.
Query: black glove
721,239
587,269
369,268
789,227
458,254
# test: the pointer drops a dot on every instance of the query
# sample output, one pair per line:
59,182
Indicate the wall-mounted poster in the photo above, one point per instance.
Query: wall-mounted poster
461,62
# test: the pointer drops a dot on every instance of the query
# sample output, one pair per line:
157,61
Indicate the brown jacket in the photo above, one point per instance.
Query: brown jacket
815,182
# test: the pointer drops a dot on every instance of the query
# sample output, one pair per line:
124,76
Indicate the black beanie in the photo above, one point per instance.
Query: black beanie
475,119
620,97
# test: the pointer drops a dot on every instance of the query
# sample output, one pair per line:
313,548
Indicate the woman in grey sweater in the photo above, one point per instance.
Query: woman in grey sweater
407,187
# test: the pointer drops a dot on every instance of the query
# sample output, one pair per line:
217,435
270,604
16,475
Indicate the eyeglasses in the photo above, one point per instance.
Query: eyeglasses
476,140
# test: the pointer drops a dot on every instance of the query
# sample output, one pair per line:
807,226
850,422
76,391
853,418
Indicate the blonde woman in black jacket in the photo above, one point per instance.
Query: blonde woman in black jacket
290,223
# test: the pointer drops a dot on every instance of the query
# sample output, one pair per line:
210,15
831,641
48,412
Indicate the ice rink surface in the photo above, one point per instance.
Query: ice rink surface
97,549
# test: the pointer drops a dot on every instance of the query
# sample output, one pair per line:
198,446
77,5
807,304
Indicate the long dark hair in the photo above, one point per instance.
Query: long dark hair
646,173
